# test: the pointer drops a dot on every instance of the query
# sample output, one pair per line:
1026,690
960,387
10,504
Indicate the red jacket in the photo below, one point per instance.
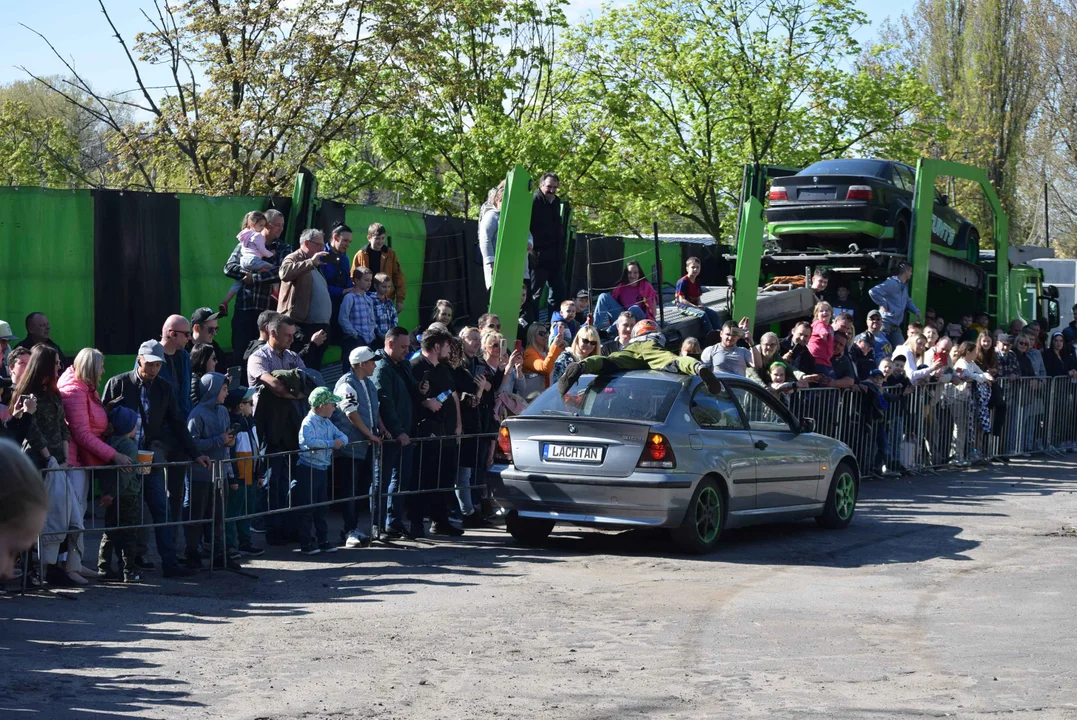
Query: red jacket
87,421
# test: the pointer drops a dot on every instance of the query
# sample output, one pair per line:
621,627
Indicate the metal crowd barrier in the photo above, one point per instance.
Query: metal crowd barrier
946,425
922,429
281,492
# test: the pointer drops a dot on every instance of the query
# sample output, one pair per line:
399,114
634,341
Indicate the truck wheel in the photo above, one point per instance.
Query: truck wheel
841,500
702,526
528,531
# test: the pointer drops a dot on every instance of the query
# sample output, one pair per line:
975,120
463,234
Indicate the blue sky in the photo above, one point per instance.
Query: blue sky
78,29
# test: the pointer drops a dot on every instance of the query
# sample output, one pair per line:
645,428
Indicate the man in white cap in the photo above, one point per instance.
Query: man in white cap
357,417
162,430
6,336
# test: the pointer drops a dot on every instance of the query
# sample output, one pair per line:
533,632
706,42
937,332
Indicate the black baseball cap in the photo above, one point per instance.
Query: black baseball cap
203,315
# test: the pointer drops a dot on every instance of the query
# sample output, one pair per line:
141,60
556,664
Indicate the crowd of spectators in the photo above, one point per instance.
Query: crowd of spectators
263,423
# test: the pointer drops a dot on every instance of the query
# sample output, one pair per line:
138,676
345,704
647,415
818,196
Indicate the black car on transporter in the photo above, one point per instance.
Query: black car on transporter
834,203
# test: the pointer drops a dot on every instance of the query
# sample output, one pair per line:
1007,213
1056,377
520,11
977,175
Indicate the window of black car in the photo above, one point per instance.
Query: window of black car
869,168
764,413
716,412
614,397
904,178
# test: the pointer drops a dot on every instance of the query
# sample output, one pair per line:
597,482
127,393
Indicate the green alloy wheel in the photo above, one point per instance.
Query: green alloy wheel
841,500
703,522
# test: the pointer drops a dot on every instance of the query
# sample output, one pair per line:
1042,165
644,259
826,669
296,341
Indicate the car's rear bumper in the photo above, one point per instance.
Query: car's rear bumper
642,499
828,219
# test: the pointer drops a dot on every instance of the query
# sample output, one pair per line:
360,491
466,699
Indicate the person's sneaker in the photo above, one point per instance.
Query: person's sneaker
573,372
310,549
475,520
356,539
107,575
327,547
144,564
234,553
250,550
177,571
416,531
709,379
396,530
258,527
226,563
193,562
132,577
445,528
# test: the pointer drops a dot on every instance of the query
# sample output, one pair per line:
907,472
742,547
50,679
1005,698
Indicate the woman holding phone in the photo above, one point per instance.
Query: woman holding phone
540,357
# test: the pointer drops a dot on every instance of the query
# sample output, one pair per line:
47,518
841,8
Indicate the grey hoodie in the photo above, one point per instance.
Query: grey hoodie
206,423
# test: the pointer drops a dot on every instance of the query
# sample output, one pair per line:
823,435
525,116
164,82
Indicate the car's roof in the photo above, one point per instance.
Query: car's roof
676,377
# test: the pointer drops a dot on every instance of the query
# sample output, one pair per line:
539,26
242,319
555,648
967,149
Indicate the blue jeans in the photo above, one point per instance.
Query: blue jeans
309,487
708,319
463,490
279,474
156,498
396,465
893,334
607,309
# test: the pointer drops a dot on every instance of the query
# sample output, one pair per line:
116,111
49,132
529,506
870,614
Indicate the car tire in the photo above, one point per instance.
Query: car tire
841,499
704,520
901,233
528,531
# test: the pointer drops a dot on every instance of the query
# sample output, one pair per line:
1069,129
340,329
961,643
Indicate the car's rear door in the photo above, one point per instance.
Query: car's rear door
787,469
725,444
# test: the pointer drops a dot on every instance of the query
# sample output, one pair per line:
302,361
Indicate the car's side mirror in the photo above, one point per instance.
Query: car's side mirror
807,425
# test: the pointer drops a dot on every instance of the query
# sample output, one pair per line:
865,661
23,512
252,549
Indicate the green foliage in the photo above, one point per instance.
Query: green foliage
35,150
690,92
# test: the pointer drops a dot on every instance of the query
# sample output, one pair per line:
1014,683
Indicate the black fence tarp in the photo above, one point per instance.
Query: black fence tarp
136,267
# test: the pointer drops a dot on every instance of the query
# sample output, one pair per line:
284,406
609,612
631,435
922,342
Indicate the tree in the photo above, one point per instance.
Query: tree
258,89
36,150
689,92
482,93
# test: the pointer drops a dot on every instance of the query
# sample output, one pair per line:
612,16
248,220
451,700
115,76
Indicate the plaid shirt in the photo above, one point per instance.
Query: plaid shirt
256,295
357,316
385,316
1008,365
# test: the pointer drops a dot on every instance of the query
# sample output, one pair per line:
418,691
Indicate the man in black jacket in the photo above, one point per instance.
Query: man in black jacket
397,397
163,431
548,215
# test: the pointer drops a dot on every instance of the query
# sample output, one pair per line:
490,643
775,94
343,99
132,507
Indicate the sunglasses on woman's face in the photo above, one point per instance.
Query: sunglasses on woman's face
588,342
542,333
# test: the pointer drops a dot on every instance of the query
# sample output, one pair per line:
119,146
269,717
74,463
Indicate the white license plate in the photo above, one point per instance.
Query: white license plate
572,453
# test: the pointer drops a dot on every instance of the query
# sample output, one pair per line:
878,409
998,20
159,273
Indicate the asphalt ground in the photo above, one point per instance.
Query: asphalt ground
948,596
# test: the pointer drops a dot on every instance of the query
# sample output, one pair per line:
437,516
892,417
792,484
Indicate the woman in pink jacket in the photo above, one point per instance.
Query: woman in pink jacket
87,422
633,293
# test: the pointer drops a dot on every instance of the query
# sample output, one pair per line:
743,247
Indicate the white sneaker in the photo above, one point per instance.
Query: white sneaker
355,539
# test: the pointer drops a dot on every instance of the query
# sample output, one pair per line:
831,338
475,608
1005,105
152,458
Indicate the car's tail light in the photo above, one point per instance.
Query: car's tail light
858,192
657,453
503,451
777,192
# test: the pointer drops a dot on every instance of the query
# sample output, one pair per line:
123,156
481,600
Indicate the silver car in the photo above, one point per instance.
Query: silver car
656,449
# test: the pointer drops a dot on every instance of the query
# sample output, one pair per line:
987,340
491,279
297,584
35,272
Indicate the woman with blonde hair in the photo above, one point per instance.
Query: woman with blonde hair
584,345
540,356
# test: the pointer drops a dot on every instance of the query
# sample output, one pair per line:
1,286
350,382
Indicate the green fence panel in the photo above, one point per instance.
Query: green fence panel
642,251
46,262
207,236
408,233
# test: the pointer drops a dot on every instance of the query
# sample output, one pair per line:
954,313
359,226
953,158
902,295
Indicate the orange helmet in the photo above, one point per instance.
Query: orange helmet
644,327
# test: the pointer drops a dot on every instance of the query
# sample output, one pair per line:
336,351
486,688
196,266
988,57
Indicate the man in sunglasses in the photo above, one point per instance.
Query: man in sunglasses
204,328
175,334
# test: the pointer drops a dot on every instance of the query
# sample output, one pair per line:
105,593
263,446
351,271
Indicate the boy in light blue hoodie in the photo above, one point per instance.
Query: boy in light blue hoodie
318,438
211,431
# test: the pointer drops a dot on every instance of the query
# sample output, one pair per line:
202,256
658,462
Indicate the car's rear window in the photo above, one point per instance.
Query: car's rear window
614,397
867,168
